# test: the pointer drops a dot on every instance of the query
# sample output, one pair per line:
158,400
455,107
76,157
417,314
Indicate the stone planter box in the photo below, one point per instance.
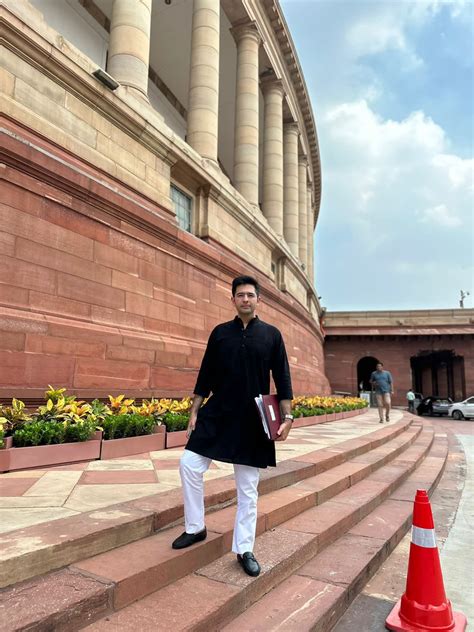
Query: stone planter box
301,422
5,454
113,448
176,439
58,454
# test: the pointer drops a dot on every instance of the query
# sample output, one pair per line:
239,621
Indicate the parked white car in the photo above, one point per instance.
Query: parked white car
462,410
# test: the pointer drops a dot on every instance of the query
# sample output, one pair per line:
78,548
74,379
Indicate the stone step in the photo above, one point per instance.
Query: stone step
317,595
39,549
118,577
312,565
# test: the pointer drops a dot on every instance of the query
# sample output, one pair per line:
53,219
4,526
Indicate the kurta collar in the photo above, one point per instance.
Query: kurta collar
238,321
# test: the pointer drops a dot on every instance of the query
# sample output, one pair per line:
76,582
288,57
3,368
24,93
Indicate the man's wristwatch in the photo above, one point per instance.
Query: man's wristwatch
288,417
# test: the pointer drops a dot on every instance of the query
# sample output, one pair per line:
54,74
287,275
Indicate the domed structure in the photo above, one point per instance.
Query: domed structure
152,150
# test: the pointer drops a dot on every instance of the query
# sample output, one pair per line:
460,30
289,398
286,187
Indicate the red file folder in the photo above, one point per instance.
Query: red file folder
268,407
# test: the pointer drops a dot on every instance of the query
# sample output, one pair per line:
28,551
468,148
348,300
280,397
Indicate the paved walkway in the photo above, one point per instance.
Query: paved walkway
34,496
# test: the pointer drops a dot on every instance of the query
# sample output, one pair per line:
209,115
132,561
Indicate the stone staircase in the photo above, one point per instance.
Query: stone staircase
327,520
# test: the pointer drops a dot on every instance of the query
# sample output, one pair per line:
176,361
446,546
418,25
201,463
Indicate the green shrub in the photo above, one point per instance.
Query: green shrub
39,433
80,430
13,417
99,411
302,411
127,425
175,421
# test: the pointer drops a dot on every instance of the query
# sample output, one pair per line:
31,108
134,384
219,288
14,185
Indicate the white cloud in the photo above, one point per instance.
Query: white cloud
358,125
380,33
386,179
460,172
441,216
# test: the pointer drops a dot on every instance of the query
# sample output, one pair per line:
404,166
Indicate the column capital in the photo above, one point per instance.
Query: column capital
303,160
247,28
269,82
291,126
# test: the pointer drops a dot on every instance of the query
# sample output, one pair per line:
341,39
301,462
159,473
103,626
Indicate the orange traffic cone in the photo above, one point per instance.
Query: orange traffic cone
424,606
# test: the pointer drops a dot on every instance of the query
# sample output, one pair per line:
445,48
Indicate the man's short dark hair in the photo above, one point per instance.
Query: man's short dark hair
381,363
245,280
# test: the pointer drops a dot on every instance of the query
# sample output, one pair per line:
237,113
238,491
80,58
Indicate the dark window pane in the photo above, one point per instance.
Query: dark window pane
182,207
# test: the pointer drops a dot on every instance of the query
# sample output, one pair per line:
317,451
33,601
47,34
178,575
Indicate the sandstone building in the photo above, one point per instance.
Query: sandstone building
431,351
130,199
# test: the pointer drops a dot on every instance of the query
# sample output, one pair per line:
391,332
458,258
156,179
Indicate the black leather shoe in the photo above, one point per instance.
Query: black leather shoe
186,539
249,564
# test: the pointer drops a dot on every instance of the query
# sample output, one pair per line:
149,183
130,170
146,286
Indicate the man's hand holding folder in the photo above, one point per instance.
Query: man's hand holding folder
268,407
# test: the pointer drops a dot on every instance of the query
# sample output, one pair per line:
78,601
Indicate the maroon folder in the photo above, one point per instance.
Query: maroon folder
268,407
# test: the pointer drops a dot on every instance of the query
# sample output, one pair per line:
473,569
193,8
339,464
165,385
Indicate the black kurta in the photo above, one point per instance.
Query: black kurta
236,368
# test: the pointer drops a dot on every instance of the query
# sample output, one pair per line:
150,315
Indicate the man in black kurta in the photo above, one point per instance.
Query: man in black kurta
236,368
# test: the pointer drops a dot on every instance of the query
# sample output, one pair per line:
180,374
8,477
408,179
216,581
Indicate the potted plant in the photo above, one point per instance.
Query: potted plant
176,424
130,429
11,418
61,431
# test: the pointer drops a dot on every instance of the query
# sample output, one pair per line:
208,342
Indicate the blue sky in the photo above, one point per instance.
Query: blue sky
391,84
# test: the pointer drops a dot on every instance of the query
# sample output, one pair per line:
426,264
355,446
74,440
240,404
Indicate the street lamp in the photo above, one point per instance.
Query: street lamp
463,296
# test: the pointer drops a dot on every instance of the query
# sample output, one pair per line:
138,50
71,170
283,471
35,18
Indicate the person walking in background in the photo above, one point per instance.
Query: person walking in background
411,401
236,368
383,385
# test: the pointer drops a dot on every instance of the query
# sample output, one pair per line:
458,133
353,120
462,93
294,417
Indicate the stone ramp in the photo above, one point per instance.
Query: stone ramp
367,471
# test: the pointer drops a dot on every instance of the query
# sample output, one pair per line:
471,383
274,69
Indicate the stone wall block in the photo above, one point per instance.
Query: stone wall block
26,275
88,291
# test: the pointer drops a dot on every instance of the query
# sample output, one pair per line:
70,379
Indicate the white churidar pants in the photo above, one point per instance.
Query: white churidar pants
192,468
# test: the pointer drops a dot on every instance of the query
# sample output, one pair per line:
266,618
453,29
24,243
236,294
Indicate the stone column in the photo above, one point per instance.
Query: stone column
290,186
310,221
246,112
203,105
129,43
302,211
272,198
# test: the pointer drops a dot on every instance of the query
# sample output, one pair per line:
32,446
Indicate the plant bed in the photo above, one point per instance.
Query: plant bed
114,448
176,439
54,454
301,422
351,413
5,454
